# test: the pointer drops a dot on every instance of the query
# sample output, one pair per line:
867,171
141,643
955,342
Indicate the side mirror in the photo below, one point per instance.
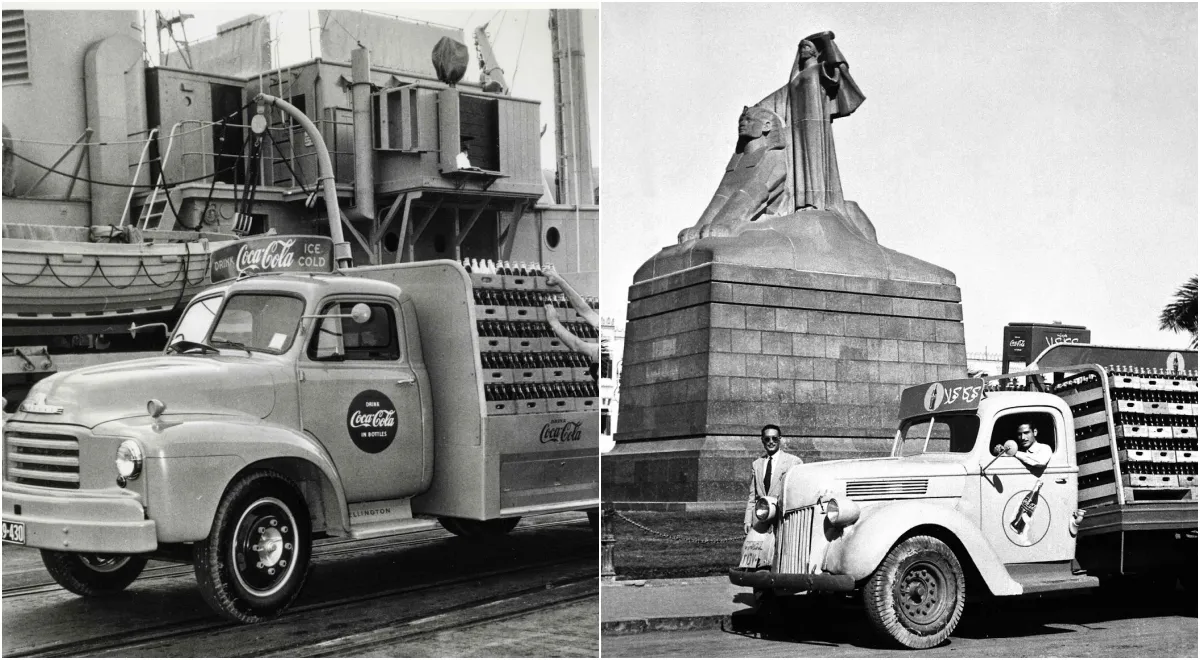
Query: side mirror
1010,449
134,327
361,313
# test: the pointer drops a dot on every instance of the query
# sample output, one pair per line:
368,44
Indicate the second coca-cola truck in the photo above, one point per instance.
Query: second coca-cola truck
301,401
961,510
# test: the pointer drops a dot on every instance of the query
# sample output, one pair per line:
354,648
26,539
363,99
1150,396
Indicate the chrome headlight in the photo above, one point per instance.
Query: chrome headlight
764,509
841,512
129,460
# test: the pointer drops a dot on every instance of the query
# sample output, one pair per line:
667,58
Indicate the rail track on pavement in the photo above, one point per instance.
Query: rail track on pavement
352,623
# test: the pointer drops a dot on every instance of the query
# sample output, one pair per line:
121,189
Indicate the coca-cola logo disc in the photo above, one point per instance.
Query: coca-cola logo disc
371,421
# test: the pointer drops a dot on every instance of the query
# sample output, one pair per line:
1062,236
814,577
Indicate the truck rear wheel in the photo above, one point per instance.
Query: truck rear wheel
478,529
92,574
255,560
916,596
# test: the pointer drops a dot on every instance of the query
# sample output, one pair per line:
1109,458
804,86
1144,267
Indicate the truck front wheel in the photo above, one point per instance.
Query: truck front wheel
92,574
916,595
255,560
478,529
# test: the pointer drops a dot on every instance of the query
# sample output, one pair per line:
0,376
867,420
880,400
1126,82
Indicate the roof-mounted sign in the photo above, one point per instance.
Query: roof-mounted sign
1063,355
1024,341
941,397
272,254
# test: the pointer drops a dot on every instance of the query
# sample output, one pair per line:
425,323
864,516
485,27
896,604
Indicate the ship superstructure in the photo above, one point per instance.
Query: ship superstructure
120,177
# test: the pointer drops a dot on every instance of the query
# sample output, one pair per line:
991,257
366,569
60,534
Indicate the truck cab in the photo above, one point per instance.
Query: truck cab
286,405
953,513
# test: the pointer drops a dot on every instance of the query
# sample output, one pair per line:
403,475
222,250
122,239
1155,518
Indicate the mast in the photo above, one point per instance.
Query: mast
575,186
491,76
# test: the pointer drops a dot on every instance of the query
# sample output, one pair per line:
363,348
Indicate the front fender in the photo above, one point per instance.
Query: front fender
863,545
190,461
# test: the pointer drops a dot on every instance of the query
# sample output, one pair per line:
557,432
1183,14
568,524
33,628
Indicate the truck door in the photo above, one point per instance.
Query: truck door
360,396
1022,521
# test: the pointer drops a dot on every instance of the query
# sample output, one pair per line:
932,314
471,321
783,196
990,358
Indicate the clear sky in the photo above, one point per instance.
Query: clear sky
519,35
1046,154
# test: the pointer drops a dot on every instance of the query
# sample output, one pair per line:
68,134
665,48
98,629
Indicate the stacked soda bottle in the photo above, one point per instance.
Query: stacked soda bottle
1155,420
527,364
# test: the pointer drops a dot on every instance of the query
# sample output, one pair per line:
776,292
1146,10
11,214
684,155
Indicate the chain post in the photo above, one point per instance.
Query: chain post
608,543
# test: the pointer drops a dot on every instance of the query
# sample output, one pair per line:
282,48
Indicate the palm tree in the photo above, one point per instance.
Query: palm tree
1180,314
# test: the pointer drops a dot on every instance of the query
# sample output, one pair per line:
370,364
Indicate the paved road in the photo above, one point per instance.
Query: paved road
532,593
1079,625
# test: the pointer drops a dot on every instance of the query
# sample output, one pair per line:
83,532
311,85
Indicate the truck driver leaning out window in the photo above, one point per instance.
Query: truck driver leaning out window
1026,448
590,349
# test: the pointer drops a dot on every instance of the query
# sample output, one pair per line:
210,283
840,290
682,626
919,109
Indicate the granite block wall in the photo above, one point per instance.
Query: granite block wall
715,352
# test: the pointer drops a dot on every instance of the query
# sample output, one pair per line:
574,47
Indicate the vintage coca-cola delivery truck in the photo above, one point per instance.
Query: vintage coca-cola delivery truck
292,401
968,507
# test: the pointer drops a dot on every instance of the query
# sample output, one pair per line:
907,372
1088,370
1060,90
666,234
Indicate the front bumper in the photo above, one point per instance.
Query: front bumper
795,582
78,522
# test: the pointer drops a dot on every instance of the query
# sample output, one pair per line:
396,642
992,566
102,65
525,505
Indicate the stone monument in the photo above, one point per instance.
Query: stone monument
779,305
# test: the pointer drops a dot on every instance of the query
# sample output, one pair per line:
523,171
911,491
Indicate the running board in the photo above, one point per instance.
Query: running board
389,528
1055,576
370,520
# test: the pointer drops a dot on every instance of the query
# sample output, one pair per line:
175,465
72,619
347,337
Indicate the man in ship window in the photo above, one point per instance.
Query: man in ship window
1026,448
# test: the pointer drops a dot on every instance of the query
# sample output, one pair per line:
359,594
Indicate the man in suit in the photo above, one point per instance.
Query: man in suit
769,469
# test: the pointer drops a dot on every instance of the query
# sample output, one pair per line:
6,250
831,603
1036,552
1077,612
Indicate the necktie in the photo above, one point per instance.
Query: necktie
767,475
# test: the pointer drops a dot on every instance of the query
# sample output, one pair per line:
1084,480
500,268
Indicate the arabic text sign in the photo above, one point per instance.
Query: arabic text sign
1023,342
273,254
942,396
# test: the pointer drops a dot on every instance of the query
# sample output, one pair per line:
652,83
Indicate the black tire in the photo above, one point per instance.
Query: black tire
255,560
478,529
90,574
916,595
594,519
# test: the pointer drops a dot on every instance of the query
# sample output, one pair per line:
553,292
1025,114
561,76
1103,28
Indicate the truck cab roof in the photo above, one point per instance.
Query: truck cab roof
313,287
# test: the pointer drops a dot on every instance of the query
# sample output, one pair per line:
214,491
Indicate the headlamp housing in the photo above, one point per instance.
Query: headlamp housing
842,511
765,509
129,460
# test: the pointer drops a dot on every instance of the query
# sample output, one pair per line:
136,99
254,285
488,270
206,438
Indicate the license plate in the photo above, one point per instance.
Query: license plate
13,532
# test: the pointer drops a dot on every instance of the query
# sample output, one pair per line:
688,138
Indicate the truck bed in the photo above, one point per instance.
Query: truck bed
493,459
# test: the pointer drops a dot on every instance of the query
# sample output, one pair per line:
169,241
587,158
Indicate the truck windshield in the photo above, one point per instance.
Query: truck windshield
940,434
258,322
197,320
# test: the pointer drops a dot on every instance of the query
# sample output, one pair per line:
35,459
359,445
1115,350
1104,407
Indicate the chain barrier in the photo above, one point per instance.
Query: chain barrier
676,537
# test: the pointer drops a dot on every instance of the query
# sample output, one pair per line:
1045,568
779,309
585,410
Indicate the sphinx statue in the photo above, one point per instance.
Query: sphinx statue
755,179
780,202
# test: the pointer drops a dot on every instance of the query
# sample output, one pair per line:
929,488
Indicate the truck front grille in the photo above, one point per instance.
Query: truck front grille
42,459
795,541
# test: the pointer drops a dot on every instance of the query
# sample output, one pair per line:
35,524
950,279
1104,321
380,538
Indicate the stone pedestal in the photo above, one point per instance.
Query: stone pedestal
715,351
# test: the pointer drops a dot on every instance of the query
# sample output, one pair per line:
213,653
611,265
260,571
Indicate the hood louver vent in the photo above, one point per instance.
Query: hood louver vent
886,489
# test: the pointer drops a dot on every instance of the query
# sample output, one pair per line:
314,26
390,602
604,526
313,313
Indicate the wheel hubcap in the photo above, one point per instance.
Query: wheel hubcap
104,563
920,594
265,546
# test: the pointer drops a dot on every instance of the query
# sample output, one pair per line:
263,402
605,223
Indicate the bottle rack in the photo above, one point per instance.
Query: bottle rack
1154,421
526,368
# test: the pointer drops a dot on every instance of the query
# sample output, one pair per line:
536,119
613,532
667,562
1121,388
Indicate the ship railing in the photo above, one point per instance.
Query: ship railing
288,161
136,174
148,209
